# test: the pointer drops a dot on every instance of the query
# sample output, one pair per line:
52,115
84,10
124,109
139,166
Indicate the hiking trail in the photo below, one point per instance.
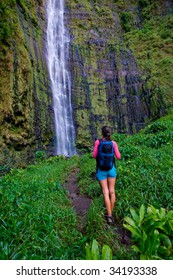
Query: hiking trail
80,202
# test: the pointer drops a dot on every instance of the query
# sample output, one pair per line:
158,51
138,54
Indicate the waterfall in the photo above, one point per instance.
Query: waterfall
57,56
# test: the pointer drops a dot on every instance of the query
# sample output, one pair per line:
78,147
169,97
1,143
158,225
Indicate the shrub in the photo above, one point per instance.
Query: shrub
161,139
152,232
129,152
156,127
93,252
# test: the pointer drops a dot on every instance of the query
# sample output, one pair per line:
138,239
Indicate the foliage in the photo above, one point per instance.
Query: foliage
152,232
93,252
3,169
147,6
154,53
156,127
144,175
86,177
36,217
6,20
161,134
161,139
9,19
37,220
126,19
40,155
144,172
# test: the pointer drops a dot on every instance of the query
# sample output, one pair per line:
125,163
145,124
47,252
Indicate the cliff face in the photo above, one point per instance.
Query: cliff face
121,62
120,56
26,118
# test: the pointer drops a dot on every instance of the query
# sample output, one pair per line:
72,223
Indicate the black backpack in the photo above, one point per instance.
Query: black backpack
105,157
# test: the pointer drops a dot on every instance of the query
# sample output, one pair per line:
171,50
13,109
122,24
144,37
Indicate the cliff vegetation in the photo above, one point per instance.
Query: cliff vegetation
121,60
26,119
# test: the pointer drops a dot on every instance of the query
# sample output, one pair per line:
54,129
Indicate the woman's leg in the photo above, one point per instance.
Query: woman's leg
105,191
111,187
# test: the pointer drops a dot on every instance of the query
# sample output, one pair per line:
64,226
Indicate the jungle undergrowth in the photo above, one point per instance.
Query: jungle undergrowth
38,221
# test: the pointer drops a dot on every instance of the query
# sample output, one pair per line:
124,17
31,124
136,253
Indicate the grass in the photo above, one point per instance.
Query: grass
144,177
37,220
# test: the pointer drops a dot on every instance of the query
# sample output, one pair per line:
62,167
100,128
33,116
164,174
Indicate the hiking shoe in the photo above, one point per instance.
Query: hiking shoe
110,220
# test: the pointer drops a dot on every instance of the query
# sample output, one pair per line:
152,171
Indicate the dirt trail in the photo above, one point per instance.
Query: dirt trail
80,203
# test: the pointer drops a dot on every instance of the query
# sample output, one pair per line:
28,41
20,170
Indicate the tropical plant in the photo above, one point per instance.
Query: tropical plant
93,252
152,232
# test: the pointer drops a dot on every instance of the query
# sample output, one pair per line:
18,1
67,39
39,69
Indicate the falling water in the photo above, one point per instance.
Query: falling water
57,56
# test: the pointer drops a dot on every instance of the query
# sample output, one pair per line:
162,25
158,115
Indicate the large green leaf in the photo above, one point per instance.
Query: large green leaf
170,222
159,224
170,215
149,224
141,213
131,222
162,213
106,253
134,214
143,257
151,210
88,252
135,232
136,248
95,250
152,243
164,251
145,236
166,240
142,241
169,218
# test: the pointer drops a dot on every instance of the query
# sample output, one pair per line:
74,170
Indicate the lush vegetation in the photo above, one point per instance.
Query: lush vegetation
24,81
93,252
154,55
117,46
9,19
37,220
152,231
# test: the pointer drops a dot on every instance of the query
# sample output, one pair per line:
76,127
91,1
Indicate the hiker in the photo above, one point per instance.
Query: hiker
104,151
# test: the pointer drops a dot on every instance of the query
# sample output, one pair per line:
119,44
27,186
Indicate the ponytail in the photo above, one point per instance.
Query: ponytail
106,132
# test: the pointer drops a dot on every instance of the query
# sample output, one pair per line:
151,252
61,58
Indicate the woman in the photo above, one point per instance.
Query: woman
107,179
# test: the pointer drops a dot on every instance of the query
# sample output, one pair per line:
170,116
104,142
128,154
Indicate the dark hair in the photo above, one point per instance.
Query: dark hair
106,131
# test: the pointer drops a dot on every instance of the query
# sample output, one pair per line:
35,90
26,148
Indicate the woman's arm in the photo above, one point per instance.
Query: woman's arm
116,151
95,150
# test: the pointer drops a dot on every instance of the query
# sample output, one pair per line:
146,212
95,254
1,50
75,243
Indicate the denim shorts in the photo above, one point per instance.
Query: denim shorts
102,174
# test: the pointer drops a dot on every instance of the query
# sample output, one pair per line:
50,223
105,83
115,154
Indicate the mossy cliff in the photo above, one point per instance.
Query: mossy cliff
121,61
25,97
